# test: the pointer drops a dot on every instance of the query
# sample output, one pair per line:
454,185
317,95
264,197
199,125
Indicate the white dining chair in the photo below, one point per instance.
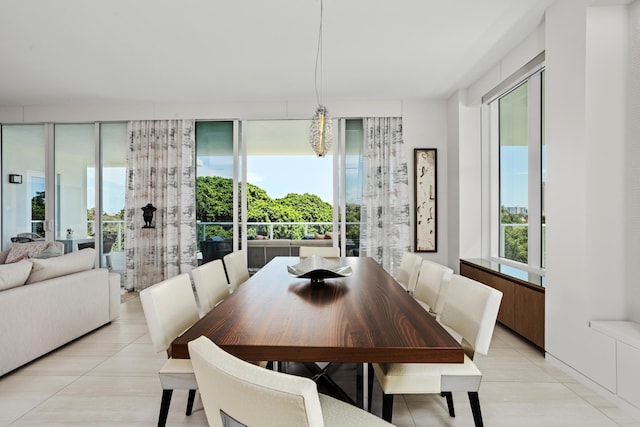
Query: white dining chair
169,309
407,273
235,263
211,284
237,393
471,309
432,286
323,251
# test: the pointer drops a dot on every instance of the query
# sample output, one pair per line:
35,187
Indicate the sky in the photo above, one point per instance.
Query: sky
278,175
114,185
514,175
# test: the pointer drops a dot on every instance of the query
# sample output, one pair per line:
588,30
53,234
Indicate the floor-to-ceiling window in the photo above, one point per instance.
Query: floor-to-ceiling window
23,200
290,192
74,170
215,188
289,188
517,130
354,147
58,189
113,155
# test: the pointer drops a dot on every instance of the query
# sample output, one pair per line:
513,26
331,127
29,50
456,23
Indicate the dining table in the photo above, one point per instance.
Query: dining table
364,317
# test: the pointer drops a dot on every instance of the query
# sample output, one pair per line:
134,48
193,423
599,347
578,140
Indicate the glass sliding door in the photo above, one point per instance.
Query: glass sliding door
23,184
354,146
113,155
289,188
214,189
75,184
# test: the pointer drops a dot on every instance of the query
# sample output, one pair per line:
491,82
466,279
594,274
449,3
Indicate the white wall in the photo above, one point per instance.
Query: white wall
632,155
425,126
585,210
593,177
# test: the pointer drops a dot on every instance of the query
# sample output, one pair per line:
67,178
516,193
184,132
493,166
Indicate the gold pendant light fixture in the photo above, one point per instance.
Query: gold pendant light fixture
321,132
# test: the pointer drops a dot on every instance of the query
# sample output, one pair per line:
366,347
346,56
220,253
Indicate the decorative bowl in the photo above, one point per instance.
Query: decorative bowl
317,269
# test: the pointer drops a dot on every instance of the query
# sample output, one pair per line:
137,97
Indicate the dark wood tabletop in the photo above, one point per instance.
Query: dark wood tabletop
366,317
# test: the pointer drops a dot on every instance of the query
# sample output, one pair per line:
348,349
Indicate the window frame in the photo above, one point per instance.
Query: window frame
532,74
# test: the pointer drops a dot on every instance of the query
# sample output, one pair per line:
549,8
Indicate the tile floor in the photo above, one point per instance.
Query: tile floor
109,378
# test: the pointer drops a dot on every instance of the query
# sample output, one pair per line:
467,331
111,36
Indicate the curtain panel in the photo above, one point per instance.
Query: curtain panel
386,229
160,171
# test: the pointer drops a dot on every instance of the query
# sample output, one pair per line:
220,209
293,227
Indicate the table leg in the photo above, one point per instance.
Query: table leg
320,376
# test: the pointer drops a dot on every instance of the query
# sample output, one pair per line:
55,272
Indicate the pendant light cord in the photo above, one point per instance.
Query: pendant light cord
319,58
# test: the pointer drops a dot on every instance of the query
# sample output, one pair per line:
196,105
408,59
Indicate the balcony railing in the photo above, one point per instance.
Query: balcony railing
207,230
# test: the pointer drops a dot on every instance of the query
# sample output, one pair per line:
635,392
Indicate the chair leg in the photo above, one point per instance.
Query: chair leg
190,399
475,408
449,396
164,407
387,407
370,375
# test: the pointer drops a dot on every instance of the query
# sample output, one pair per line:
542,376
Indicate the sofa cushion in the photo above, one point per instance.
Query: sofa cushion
33,250
73,262
14,275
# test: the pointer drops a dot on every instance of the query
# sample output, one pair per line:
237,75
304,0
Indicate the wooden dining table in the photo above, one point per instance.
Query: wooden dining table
363,318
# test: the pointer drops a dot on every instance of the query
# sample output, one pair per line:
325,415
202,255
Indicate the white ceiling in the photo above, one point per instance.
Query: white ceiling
198,51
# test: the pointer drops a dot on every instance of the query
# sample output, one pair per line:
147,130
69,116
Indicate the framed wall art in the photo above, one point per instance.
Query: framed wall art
426,213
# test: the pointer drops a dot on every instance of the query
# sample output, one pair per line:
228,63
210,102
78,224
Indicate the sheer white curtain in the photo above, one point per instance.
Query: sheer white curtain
160,171
385,233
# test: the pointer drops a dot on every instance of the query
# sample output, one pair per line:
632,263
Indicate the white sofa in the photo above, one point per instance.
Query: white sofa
64,298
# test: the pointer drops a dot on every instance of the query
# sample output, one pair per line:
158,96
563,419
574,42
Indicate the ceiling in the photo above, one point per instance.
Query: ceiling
81,52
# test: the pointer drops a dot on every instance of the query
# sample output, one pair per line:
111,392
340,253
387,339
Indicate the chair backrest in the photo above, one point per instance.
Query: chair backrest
211,284
249,394
432,285
19,239
471,310
107,243
86,245
169,308
323,251
408,271
34,236
235,264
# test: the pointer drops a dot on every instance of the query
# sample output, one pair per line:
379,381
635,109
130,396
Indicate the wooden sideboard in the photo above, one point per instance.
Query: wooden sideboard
522,306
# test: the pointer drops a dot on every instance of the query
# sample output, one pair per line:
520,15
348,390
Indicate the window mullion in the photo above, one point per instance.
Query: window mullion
535,172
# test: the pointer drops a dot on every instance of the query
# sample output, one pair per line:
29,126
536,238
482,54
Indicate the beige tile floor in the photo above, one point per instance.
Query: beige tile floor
109,378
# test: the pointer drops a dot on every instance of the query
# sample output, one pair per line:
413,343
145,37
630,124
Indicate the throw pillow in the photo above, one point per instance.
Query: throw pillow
319,236
14,275
328,235
13,261
54,249
3,255
28,250
73,262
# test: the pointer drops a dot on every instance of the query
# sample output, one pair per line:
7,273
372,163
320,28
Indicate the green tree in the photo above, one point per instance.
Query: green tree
516,239
37,211
37,206
214,201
